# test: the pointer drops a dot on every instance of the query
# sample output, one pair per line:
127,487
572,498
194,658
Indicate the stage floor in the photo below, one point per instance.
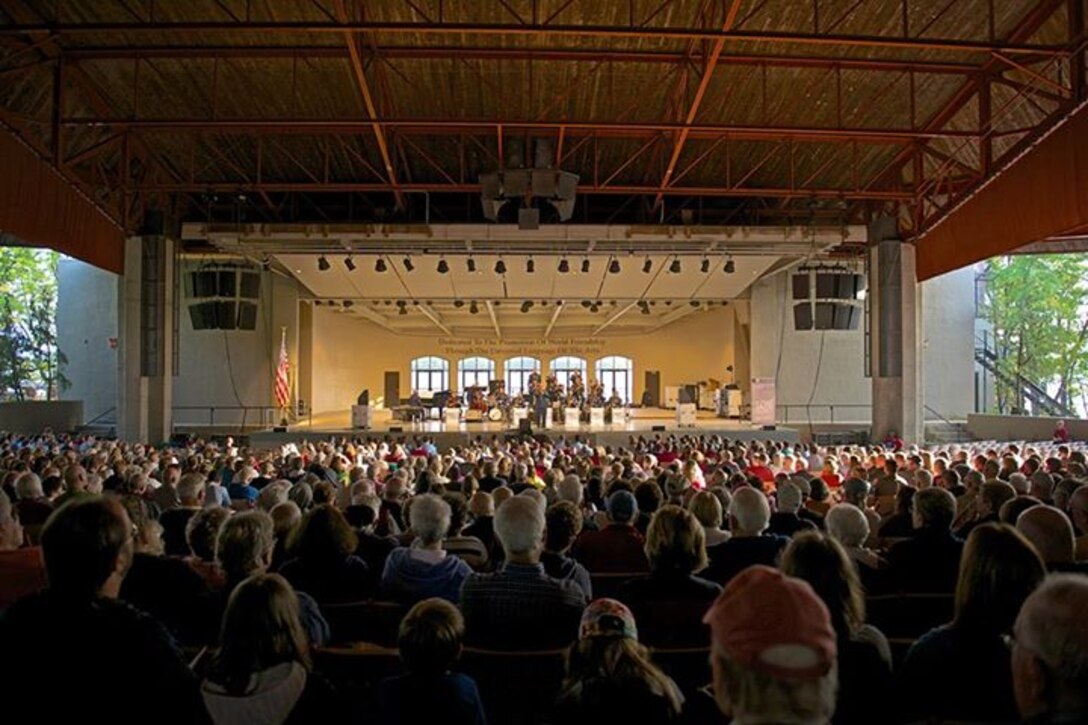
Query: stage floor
338,424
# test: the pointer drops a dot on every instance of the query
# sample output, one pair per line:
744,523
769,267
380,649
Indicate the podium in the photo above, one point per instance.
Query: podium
549,419
452,416
362,416
596,416
685,415
520,414
570,417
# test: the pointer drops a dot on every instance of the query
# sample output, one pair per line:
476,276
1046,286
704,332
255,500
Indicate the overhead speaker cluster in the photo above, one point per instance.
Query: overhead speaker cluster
223,297
827,299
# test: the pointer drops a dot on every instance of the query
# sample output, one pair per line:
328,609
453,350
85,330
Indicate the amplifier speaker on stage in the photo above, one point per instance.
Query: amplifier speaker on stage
396,429
659,429
525,426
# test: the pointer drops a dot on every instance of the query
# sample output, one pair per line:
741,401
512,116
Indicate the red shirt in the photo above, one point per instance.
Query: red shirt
21,573
762,473
1061,435
833,480
614,549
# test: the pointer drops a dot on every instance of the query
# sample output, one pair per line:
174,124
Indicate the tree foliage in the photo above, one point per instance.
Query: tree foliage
1038,307
29,358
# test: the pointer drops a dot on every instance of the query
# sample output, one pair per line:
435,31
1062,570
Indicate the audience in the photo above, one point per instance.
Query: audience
563,523
21,570
424,569
929,561
618,546
1051,533
325,565
749,516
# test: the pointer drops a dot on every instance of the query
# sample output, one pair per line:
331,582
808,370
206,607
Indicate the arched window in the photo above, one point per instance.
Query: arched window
475,371
562,367
517,371
430,374
616,373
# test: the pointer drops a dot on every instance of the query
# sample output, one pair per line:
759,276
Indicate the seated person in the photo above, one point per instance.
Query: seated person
749,516
325,565
848,525
261,671
900,525
77,619
563,523
671,600
190,494
201,533
618,547
519,607
464,546
929,562
610,677
429,640
1051,533
21,570
785,521
424,569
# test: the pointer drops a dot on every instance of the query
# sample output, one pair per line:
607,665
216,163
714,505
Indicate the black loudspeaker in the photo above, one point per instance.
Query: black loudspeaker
279,429
250,285
658,429
528,219
825,315
800,287
827,285
847,317
202,315
802,316
247,316
202,284
525,426
769,427
227,283
364,398
226,315
848,286
396,429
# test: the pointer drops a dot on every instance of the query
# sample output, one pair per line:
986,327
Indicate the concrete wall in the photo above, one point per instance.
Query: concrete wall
87,308
948,349
229,369
1021,428
349,354
33,416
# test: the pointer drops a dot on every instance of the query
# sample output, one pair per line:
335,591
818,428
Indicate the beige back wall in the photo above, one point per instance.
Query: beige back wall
348,354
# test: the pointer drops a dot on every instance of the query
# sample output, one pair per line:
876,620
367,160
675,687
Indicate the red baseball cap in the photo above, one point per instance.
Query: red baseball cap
774,624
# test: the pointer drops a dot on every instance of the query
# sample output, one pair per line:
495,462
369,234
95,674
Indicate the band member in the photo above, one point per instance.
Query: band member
414,400
596,394
541,402
615,401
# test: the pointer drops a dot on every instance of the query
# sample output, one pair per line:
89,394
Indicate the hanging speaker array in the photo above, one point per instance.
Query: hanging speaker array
827,299
223,297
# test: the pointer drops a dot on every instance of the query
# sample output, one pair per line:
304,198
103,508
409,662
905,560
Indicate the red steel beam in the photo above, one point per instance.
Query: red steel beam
537,31
447,126
583,55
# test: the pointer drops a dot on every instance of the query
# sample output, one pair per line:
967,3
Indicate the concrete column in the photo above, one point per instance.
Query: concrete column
895,334
146,340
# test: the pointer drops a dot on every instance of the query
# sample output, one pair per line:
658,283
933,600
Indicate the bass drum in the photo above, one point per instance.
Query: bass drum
494,415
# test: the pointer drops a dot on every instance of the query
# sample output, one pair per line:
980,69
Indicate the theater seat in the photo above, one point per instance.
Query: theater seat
608,585
356,667
372,621
908,616
516,687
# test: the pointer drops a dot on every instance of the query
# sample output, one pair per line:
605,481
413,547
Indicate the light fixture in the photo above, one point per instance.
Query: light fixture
348,303
705,266
443,266
730,266
587,304
530,266
471,264
350,264
458,303
695,303
614,266
564,266
585,265
675,266
323,264
644,306
472,308
526,306
408,266
500,267
647,266
379,266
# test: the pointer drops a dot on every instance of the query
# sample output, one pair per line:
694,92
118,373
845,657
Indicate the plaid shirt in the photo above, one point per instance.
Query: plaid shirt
520,607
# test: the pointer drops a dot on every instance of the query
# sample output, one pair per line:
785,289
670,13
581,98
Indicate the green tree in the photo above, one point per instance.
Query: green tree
1038,306
29,358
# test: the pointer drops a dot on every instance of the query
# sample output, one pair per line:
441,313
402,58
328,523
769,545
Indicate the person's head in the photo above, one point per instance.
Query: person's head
75,478
707,509
992,495
570,489
323,536
622,507
998,570
1078,509
245,544
923,479
818,490
11,532
934,509
1042,486
1050,532
429,517
286,516
458,512
608,654
675,541
749,514
273,494
87,547
28,486
789,497
847,524
500,495
1019,483
519,527
302,494
202,531
260,629
649,497
430,636
1050,650
822,562
563,523
855,491
773,650
481,505
190,489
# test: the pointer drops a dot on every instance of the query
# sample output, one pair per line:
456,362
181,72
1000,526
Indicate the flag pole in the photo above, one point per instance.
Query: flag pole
282,369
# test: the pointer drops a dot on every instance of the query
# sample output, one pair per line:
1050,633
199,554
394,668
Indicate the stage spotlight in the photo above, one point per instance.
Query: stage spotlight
472,308
642,305
705,266
585,266
379,266
350,264
526,306
647,266
443,266
530,266
348,303
408,266
730,266
694,303
471,264
587,304
614,266
675,266
500,267
402,311
564,266
323,264
458,303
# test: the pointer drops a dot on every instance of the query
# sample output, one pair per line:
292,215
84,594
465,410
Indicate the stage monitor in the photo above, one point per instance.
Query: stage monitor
525,427
802,316
801,286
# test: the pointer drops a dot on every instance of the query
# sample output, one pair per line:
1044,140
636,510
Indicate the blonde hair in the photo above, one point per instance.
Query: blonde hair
617,659
675,540
707,508
762,698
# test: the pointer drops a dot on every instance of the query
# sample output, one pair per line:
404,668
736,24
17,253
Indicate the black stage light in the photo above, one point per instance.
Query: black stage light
443,267
408,266
705,266
585,266
614,266
471,264
350,264
500,267
323,264
730,267
530,266
647,266
564,266
472,308
675,266
379,266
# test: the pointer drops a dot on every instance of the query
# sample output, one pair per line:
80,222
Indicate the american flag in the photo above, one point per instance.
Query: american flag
283,386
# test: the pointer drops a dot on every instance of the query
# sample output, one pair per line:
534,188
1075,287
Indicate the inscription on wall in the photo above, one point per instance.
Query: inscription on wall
533,347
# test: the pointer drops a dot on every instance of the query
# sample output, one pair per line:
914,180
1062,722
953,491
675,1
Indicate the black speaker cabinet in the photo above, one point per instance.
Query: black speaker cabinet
525,426
800,286
802,316
396,429
658,429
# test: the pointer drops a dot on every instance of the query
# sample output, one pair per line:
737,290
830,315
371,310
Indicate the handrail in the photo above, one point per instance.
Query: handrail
936,413
810,406
213,408
100,416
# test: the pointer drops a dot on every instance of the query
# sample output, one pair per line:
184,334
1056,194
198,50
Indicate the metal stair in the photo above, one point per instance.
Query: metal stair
1039,398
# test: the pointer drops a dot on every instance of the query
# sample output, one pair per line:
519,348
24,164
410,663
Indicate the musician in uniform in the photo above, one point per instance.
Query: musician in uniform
541,402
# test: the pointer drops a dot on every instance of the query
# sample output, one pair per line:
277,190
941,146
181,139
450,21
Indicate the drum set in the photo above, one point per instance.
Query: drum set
494,404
